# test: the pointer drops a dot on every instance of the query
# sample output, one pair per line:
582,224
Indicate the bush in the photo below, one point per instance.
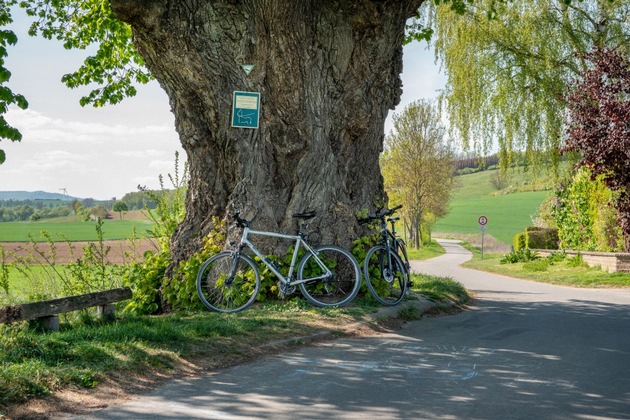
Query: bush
519,241
541,238
584,214
522,255
555,257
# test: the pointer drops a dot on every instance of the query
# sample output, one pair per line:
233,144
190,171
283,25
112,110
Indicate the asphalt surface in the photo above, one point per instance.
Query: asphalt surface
525,350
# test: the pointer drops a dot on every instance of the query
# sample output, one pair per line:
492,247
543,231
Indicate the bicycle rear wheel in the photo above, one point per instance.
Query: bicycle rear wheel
228,283
341,287
387,282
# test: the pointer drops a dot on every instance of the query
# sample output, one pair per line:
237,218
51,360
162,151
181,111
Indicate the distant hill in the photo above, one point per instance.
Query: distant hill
34,195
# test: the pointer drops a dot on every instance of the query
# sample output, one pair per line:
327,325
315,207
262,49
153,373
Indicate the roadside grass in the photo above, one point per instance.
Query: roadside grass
34,364
72,230
425,252
565,272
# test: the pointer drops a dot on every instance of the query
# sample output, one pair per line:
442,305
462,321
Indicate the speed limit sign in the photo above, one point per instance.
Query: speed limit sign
483,220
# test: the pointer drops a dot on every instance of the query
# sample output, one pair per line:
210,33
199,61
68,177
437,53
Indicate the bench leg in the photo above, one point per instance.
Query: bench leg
46,323
106,312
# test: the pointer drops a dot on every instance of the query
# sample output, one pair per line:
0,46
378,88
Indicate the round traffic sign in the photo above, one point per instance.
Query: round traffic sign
483,220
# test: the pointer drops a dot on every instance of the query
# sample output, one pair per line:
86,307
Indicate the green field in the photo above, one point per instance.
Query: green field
63,229
475,196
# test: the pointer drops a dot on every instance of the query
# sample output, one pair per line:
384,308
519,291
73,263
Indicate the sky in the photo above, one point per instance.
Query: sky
104,153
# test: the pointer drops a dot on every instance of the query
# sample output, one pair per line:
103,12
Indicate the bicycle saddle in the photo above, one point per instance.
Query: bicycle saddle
305,215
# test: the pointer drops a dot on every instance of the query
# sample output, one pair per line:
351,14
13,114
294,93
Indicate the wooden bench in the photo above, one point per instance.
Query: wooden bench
47,312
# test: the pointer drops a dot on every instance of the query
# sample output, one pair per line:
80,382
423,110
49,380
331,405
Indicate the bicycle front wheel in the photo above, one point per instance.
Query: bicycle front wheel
228,283
385,275
335,290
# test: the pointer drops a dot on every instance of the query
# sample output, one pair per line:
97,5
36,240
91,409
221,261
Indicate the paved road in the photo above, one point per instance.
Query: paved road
524,351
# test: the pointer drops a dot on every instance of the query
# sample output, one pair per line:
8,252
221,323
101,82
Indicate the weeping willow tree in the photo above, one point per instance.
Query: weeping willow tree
507,75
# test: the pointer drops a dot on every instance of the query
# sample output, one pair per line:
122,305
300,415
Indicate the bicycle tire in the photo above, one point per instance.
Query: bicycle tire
387,285
341,288
221,291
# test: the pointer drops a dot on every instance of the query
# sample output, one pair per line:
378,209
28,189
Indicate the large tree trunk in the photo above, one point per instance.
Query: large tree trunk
327,71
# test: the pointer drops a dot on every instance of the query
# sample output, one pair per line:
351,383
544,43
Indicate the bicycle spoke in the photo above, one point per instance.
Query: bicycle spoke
226,285
339,288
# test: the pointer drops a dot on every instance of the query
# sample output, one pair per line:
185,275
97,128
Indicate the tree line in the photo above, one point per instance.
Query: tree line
34,210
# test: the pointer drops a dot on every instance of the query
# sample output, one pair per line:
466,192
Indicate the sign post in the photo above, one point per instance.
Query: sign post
483,221
245,109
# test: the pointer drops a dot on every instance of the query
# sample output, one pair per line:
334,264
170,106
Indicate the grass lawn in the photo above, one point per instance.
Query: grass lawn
562,273
72,230
425,251
475,196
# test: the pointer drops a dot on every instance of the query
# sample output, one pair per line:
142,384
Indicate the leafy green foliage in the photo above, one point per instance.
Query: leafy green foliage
576,261
7,96
541,238
582,211
506,75
522,255
4,271
417,167
179,290
519,242
147,278
115,67
599,125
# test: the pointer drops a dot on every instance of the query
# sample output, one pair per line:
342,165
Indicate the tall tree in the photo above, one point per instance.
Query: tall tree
506,76
599,125
418,165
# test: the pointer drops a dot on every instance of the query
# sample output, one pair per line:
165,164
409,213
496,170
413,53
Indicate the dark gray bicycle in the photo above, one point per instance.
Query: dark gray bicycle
386,267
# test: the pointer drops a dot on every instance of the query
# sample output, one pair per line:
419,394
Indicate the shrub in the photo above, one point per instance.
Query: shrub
520,241
577,261
584,215
555,257
541,238
522,255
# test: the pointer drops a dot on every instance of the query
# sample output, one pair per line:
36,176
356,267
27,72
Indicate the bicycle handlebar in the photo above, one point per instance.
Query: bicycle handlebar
381,216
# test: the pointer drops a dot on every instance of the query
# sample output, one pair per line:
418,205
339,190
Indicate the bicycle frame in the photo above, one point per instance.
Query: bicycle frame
299,241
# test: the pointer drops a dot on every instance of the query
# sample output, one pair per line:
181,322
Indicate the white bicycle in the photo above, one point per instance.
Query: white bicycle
328,275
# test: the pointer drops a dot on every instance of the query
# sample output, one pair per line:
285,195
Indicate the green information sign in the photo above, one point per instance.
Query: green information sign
245,109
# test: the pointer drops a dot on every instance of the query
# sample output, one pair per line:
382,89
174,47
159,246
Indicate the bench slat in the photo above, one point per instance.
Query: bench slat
35,310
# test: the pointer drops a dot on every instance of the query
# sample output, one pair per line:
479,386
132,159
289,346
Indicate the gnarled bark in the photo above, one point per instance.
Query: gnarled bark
327,71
